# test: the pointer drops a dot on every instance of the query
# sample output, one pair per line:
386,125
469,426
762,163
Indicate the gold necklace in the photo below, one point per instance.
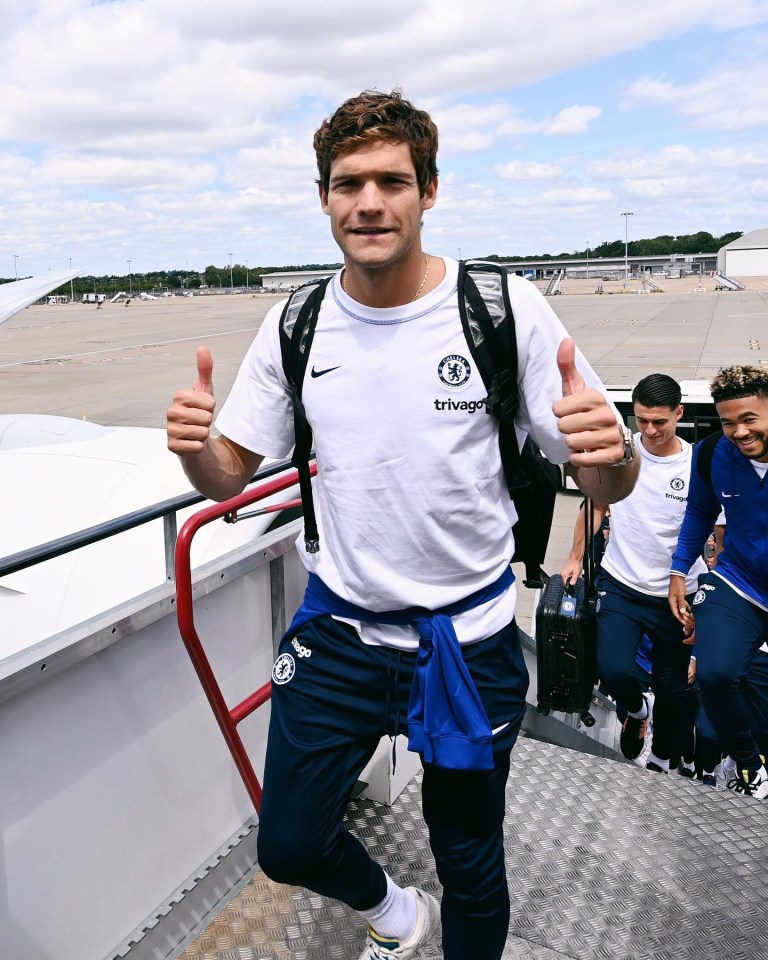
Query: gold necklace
415,296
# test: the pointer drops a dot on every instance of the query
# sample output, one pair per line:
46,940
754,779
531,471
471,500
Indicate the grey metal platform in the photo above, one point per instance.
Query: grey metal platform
606,861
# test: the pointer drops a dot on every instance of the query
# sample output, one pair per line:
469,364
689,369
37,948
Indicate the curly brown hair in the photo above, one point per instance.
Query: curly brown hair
374,116
740,380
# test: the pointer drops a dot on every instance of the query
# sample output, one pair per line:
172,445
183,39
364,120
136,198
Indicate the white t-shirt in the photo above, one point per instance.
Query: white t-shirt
646,524
410,498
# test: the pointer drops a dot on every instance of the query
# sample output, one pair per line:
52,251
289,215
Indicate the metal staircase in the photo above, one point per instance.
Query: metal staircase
553,287
727,283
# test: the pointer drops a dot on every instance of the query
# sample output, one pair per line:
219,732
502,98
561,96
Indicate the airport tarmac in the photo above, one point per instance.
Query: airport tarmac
120,365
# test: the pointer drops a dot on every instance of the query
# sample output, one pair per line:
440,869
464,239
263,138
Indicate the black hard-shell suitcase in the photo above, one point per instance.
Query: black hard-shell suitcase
566,649
566,639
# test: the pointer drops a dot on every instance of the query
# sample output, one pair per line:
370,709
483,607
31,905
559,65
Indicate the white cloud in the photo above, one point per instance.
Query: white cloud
669,187
730,97
517,170
124,174
572,120
677,159
467,128
739,13
574,196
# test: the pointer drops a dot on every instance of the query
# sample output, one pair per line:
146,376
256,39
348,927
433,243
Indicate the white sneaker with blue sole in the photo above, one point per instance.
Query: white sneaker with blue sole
427,922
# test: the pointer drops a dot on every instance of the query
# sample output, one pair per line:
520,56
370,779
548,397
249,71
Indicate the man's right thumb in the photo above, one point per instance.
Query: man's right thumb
204,371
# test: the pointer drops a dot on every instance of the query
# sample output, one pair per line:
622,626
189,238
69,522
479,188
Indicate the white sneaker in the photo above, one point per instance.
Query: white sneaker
427,922
724,772
749,783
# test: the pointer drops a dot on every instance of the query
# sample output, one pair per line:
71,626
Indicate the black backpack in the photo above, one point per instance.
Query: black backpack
489,328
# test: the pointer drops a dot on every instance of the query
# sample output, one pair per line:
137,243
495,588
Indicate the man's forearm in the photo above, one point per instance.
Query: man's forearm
218,471
606,484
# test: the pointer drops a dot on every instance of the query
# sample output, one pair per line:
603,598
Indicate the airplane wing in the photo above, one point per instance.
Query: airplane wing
17,294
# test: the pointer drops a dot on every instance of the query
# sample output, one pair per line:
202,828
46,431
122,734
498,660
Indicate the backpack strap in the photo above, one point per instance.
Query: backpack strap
297,328
489,328
706,448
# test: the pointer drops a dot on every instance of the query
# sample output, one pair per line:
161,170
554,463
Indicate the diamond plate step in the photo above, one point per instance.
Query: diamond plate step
606,861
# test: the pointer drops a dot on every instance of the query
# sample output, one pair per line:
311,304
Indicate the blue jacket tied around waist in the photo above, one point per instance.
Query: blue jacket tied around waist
447,723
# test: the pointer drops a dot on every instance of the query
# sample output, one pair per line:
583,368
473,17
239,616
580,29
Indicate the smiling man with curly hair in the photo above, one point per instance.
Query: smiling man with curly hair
731,606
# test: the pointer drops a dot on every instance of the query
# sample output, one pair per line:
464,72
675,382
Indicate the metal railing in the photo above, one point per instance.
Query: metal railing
166,509
227,718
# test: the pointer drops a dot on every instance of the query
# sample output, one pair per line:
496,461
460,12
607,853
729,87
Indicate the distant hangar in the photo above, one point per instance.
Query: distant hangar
745,257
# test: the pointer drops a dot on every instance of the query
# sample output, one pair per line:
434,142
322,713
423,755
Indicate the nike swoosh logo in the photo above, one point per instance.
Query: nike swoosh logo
320,373
731,494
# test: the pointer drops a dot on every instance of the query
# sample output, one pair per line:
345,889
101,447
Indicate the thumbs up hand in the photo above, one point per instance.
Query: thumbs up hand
190,416
592,431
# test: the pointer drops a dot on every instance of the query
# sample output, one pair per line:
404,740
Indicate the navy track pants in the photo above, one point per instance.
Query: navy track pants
623,616
337,698
731,669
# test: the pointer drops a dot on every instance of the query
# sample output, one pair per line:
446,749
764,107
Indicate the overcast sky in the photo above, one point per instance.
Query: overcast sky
175,132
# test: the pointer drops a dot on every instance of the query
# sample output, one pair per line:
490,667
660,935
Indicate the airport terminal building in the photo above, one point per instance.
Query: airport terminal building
745,257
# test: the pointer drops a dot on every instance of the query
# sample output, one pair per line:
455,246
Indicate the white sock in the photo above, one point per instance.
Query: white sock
689,766
640,714
652,758
395,916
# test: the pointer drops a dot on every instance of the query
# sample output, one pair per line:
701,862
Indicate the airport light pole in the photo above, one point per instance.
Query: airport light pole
626,245
130,279
231,282
16,265
587,259
71,284
247,277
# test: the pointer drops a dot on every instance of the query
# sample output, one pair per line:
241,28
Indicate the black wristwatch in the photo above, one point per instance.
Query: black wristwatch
629,447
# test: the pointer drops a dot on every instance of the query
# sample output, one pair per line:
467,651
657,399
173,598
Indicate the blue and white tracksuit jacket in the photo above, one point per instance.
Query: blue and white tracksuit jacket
744,496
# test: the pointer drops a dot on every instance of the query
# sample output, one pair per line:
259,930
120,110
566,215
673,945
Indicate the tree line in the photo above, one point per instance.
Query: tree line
664,245
242,276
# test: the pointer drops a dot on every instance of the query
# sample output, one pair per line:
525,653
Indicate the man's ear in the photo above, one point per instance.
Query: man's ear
429,196
323,198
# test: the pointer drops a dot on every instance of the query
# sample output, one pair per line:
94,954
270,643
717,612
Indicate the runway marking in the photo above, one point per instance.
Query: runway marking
131,346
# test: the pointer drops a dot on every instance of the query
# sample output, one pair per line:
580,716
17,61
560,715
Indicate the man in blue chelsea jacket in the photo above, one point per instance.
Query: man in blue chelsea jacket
731,606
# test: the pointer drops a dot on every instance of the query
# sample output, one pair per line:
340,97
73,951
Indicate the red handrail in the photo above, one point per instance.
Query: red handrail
227,718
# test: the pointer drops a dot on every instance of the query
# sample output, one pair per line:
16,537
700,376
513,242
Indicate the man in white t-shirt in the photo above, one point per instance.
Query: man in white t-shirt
412,576
634,579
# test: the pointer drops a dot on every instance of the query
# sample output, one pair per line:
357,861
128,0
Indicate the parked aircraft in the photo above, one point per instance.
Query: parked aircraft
18,294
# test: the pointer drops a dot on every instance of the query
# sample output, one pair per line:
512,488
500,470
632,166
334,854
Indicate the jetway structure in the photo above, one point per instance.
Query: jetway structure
128,832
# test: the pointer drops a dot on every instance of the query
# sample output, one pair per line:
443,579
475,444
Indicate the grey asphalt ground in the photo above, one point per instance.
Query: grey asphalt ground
121,364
